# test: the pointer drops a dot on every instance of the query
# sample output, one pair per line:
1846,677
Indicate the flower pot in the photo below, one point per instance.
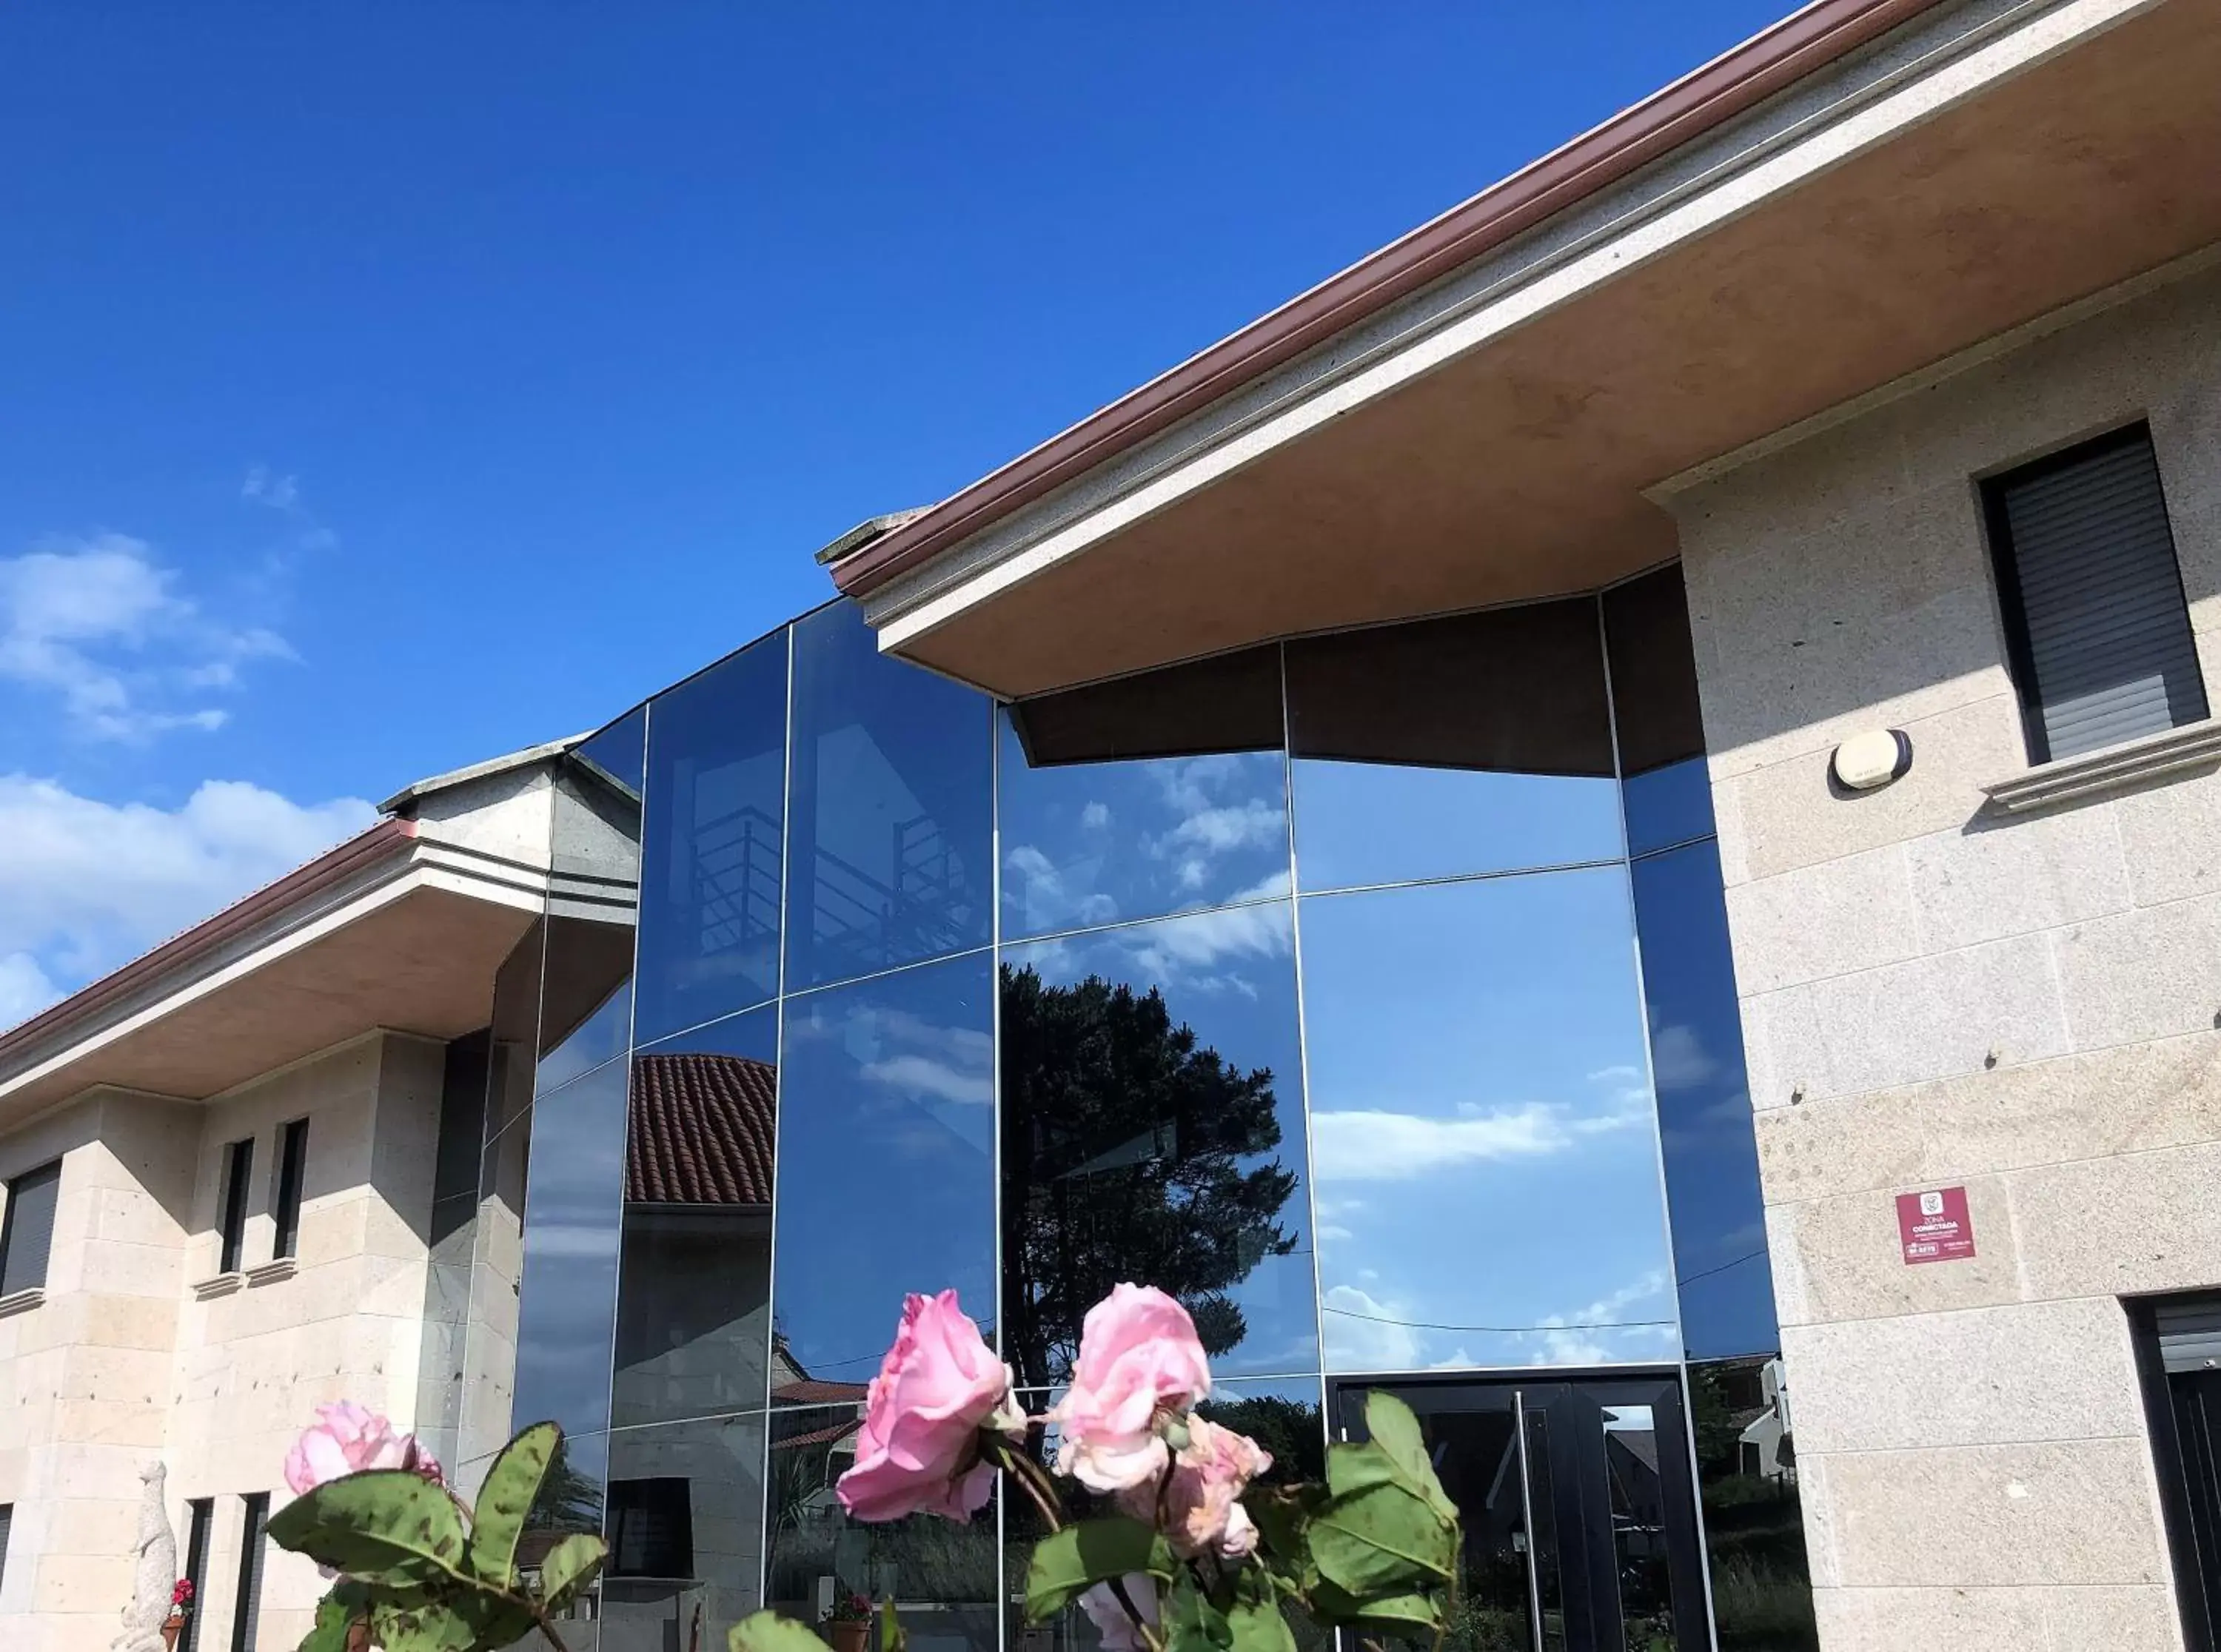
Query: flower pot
850,1634
172,1627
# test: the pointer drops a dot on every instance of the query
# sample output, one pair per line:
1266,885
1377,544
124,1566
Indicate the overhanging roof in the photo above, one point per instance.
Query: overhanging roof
1473,415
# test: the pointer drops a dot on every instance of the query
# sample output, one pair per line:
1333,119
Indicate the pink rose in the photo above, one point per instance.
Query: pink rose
918,1450
1112,1621
1139,1356
347,1440
1202,1506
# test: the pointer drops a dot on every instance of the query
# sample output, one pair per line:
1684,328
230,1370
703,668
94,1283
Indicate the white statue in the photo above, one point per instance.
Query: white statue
156,1573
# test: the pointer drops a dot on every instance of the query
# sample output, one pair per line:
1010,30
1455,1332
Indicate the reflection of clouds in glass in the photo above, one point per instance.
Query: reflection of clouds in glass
1367,1332
1679,1057
1096,816
929,1063
1368,1144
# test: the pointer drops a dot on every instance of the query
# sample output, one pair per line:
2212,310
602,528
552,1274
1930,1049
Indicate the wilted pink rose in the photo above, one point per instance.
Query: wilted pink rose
1202,1506
348,1439
1138,1355
1111,1619
918,1450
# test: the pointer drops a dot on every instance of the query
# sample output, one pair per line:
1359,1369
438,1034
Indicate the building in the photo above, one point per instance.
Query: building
1609,816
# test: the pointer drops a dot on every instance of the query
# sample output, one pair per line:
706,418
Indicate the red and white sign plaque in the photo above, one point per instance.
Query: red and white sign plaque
1934,1226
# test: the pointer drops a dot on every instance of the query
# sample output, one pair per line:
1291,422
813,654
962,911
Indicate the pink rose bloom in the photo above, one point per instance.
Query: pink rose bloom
918,1451
347,1440
1203,1505
1139,1355
1111,1620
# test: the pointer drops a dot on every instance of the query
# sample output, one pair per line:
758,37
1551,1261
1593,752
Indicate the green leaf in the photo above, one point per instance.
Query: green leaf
1396,1431
1384,1540
1417,1616
1357,1465
1255,1624
512,1485
1191,1623
891,1638
386,1525
1282,1514
570,1567
767,1631
1068,1563
465,1620
344,1606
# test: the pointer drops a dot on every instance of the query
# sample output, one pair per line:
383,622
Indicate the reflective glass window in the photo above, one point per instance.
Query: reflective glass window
886,1164
571,1501
1704,1105
892,808
1150,795
1153,1129
1655,706
514,1038
940,1573
710,872
1476,743
1485,1157
593,900
1753,1517
567,1301
496,1266
694,1285
685,1533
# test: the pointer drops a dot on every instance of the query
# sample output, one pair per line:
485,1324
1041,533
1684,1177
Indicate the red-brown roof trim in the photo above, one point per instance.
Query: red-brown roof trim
365,849
1705,98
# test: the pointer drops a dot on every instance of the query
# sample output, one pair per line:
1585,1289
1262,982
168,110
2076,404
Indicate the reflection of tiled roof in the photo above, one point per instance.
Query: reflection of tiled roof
808,1391
700,1131
819,1436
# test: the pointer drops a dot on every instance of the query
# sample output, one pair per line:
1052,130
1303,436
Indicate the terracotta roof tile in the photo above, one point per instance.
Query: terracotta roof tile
700,1131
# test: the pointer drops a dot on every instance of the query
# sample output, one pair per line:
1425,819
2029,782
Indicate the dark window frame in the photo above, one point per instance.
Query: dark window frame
2005,564
255,1518
200,1525
231,1203
7,1537
10,1236
2196,1608
289,1175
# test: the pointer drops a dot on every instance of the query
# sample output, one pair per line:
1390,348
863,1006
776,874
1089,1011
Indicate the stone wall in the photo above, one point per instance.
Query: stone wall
1936,994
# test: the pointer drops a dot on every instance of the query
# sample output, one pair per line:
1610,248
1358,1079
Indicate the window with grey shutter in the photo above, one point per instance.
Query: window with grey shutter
201,1516
27,1232
238,1166
7,1529
249,1609
2096,621
292,1171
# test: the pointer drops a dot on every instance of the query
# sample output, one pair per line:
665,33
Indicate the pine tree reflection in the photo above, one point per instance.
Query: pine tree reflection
1128,1153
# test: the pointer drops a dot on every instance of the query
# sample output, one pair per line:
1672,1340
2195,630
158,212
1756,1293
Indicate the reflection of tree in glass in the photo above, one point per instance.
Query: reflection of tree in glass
1123,1142
1754,1529
569,1501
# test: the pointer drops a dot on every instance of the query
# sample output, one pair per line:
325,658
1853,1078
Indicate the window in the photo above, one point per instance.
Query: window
200,1514
238,1166
7,1528
2097,626
249,1608
292,1162
652,1527
2179,1356
27,1232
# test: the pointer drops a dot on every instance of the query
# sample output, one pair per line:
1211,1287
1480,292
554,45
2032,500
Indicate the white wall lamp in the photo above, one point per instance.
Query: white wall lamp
1867,761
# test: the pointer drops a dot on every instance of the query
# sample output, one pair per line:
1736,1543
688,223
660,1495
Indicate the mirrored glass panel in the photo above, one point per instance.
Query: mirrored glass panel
892,808
593,900
694,1284
1476,743
1754,1520
1153,1129
1704,1105
1152,794
1653,698
709,881
1485,1154
686,1535
886,1164
515,1035
566,1302
489,1386
940,1574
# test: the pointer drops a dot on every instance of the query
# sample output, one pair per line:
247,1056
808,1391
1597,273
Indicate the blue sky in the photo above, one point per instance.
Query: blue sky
389,387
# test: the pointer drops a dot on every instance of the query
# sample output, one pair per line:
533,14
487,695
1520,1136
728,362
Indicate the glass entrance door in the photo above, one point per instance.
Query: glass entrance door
1580,1512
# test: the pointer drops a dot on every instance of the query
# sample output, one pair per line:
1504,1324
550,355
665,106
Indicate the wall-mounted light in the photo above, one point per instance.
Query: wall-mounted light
1873,759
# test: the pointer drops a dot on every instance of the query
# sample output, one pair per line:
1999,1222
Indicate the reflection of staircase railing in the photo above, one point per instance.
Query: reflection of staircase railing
862,919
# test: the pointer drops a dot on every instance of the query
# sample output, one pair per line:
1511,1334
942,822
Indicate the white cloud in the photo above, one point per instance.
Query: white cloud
1373,1145
926,1062
85,885
1096,816
1679,1058
1362,1332
924,1076
96,621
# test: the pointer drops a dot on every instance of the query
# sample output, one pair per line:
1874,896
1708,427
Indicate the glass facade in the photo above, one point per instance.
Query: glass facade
1370,993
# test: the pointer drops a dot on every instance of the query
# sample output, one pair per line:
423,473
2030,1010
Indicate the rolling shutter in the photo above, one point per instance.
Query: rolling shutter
27,1239
2087,567
2189,1333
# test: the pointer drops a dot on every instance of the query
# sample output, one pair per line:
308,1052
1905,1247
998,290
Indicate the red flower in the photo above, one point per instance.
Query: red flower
181,1592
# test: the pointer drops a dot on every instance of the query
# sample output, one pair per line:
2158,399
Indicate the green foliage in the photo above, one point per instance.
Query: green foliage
512,1486
891,1637
419,1572
1066,1564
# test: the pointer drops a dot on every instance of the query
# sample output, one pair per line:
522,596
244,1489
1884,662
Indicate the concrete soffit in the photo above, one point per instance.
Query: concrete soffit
1942,60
